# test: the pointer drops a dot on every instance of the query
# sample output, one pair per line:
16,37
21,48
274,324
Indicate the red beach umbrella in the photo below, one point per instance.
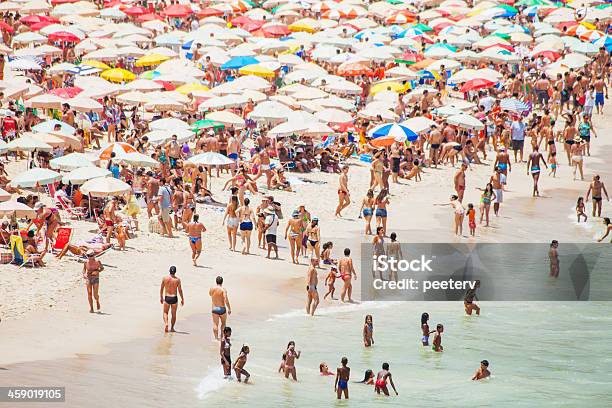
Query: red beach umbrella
67,93
478,83
178,10
135,11
277,30
5,27
63,36
209,12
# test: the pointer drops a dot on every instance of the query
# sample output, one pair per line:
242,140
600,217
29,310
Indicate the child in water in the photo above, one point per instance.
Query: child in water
330,281
368,331
240,362
425,329
580,209
482,371
471,213
437,341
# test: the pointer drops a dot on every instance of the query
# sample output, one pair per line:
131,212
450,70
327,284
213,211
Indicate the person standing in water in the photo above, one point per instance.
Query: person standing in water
437,341
240,362
368,331
470,297
290,356
225,352
381,381
312,280
533,164
220,306
91,273
425,329
344,198
347,270
343,373
170,286
195,230
553,255
482,371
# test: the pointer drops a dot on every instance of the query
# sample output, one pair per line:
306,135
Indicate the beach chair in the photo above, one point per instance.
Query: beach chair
74,212
19,256
62,239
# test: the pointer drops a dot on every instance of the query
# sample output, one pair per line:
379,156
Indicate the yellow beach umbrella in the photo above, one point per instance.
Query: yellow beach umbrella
151,59
303,25
257,70
96,64
118,75
389,86
191,87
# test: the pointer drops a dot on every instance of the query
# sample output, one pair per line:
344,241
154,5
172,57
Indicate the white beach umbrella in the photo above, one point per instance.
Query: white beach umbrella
27,144
270,111
465,121
82,174
227,118
419,124
317,129
139,159
45,101
49,127
158,137
8,208
105,187
288,129
71,161
35,177
220,102
82,104
168,124
210,159
3,147
332,115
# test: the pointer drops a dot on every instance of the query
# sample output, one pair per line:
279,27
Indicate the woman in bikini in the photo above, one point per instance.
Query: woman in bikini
232,222
381,203
488,195
225,352
313,234
425,329
378,168
368,331
51,219
367,209
91,273
293,233
290,356
459,213
577,154
245,214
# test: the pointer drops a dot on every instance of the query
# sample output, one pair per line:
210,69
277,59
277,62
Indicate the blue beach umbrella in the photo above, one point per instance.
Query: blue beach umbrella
514,105
395,130
605,41
239,62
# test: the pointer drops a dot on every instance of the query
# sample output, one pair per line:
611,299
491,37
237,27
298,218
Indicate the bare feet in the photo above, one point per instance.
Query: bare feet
166,329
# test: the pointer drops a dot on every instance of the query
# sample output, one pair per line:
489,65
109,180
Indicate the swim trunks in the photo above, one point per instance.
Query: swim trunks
171,300
193,240
219,310
246,226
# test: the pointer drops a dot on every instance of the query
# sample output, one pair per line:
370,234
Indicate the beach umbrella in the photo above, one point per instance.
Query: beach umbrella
178,11
105,187
604,41
27,144
63,36
186,89
353,69
15,208
465,121
206,124
83,104
3,146
71,161
220,102
35,177
288,129
395,130
158,137
151,59
332,115
239,62
45,101
168,124
49,127
210,159
82,174
139,159
257,70
226,118
66,93
135,11
513,104
4,195
96,64
119,148
419,124
118,75
83,70
24,64
477,83
270,111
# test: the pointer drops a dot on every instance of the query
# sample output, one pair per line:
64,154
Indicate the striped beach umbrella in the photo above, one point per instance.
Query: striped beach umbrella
395,130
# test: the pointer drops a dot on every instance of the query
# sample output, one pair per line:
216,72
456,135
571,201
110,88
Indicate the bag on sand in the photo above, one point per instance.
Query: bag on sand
154,225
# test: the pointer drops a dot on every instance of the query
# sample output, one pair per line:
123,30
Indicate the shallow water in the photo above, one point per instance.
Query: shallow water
540,354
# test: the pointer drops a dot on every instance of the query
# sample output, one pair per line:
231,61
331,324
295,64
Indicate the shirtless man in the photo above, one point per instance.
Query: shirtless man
502,161
220,307
482,371
110,217
194,230
177,206
381,381
347,270
233,150
152,190
189,206
435,140
459,181
168,297
496,182
311,287
553,256
600,87
533,165
173,151
596,187
344,198
343,374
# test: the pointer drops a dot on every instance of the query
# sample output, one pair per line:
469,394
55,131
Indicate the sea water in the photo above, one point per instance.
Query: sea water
540,354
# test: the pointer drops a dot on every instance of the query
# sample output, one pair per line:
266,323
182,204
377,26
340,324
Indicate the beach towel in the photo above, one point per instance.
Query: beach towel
17,250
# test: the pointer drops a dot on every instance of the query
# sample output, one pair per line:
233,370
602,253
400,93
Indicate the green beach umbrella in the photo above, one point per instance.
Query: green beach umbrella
422,27
206,124
500,35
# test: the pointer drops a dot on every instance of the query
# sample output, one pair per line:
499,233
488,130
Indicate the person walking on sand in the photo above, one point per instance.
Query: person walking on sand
382,200
312,280
293,232
367,209
170,286
595,189
165,202
270,226
553,256
220,307
290,356
347,270
232,222
533,164
458,211
343,374
459,181
91,273
380,385
344,197
247,220
195,230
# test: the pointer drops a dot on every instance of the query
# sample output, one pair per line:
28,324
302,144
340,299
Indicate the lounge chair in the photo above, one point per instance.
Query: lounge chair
75,212
19,256
62,239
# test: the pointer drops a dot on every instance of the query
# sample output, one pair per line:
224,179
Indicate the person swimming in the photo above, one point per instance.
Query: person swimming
482,371
368,378
368,331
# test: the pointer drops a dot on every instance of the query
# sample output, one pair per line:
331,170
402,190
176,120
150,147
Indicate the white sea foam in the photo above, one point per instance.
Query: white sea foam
212,382
325,311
